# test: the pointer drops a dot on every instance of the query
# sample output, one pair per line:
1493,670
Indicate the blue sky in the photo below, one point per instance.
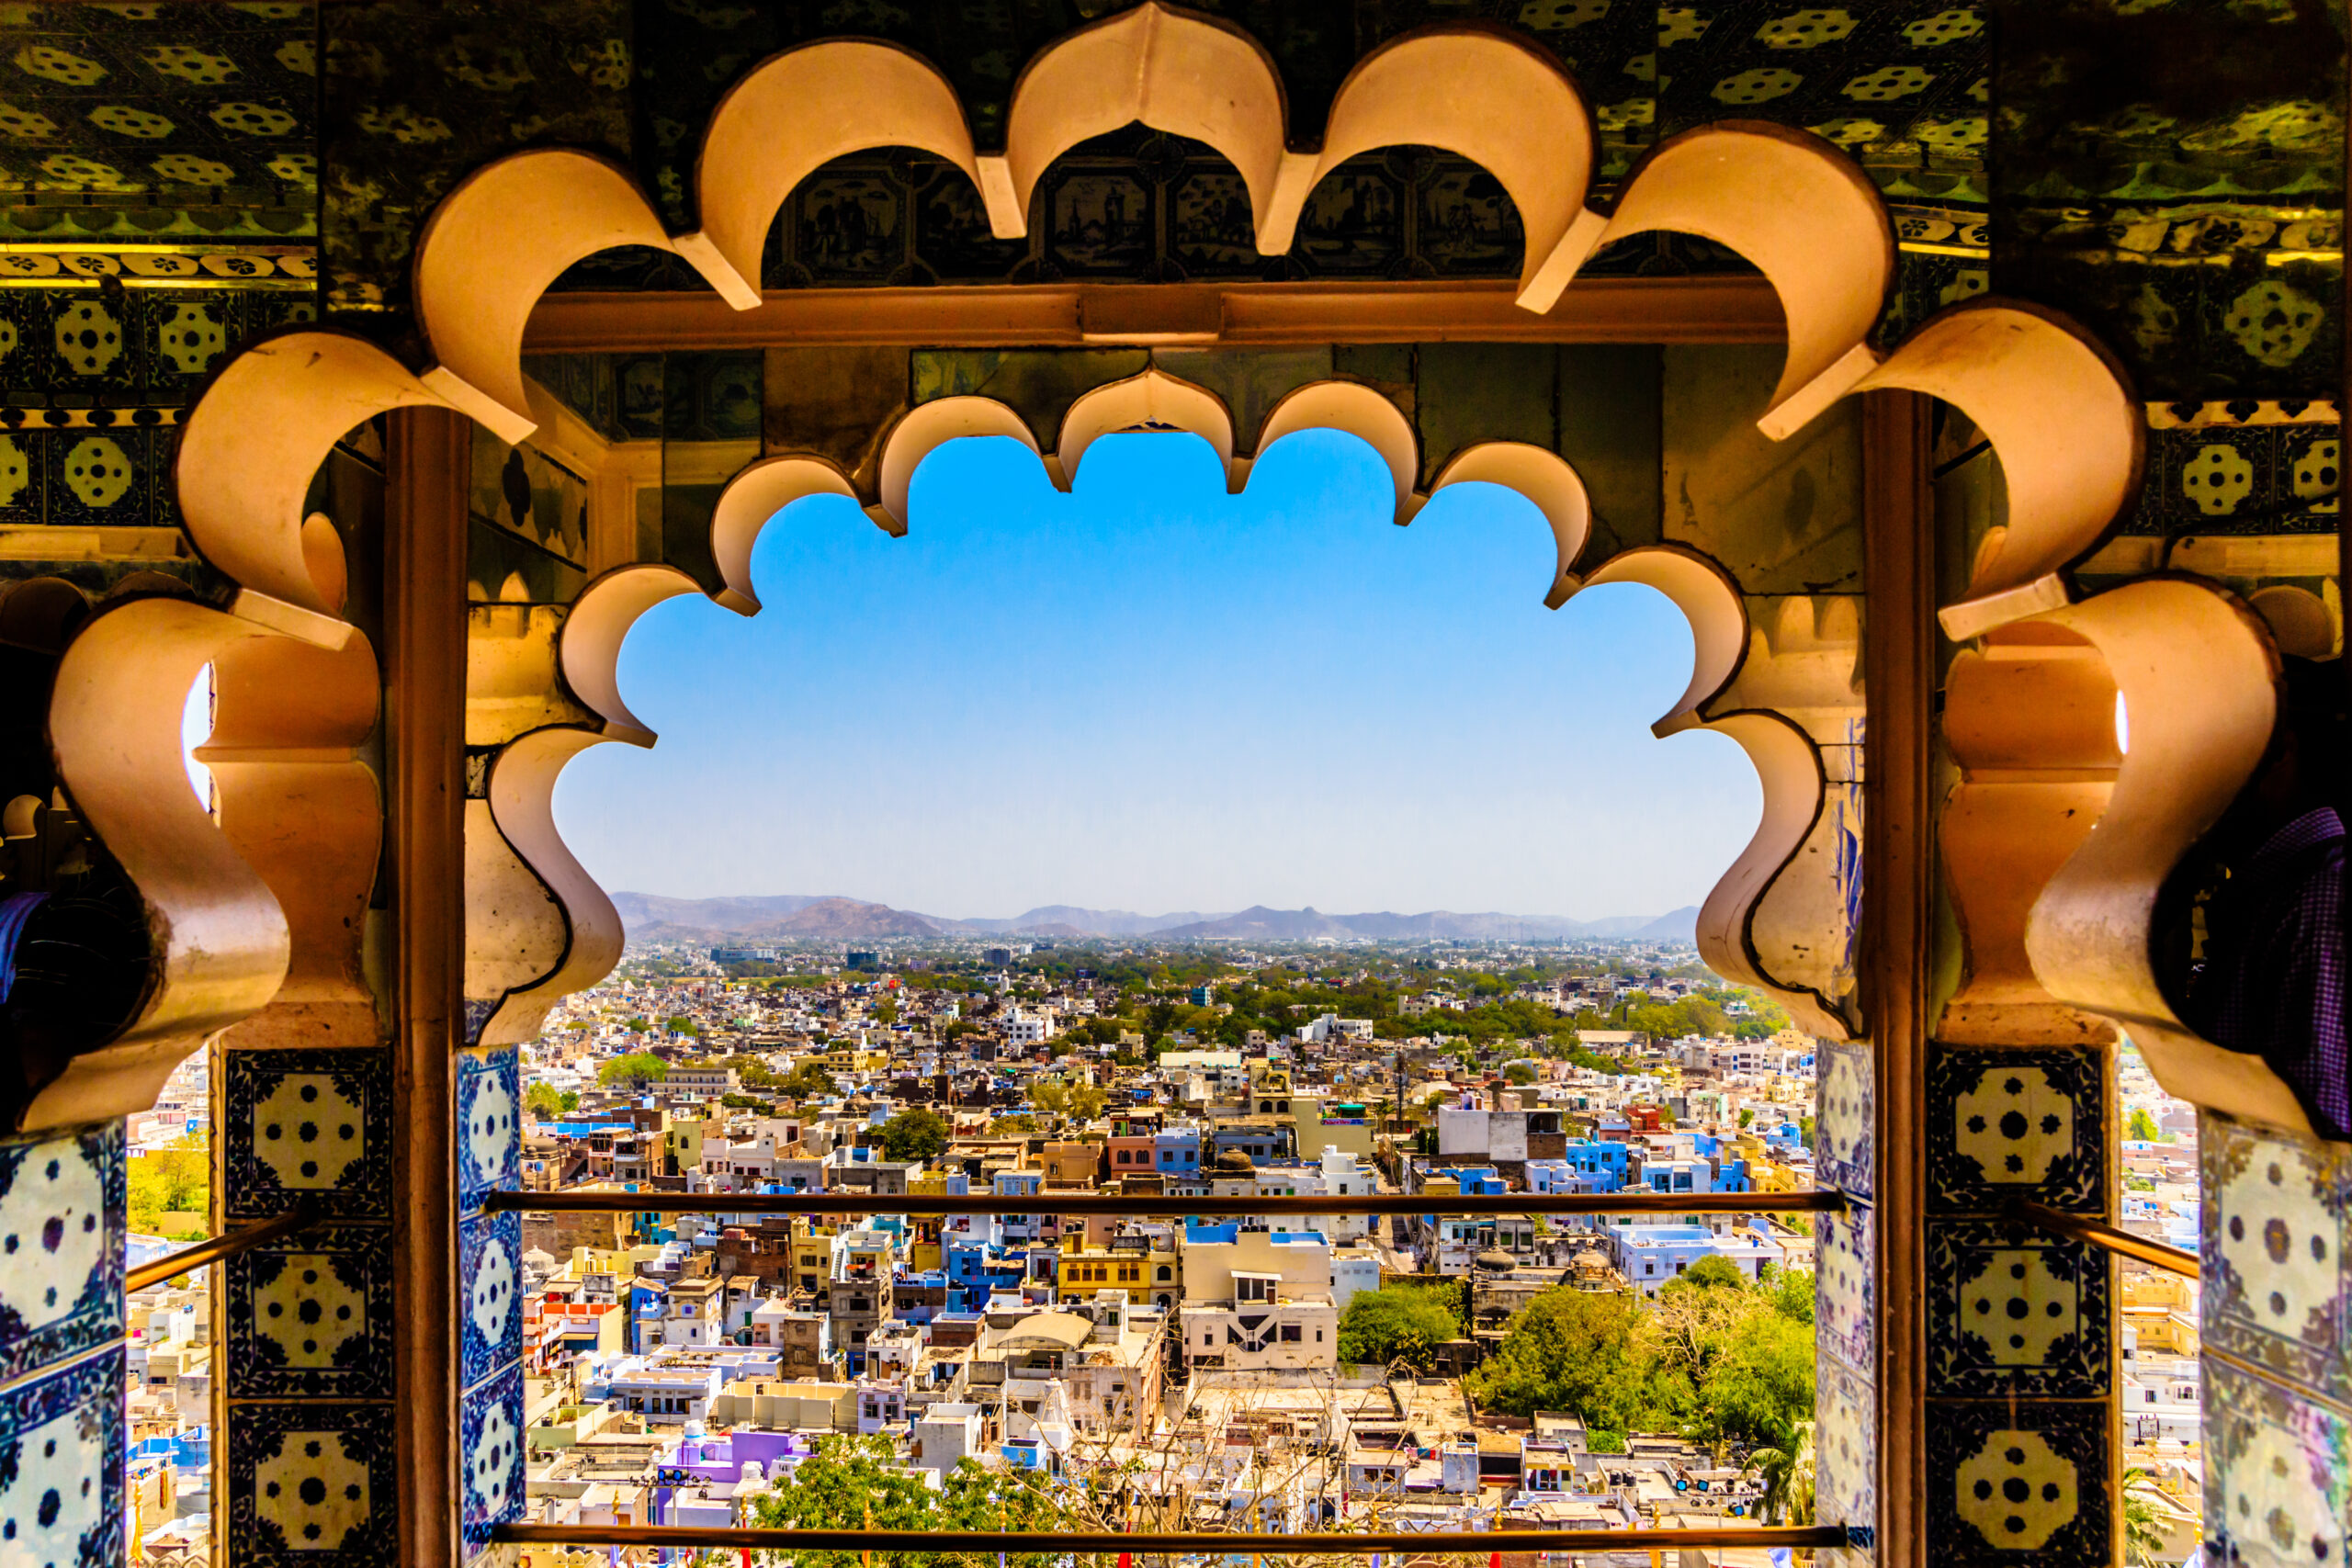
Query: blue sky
1148,694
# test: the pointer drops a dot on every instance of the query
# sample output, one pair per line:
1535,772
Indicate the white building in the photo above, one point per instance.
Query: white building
946,1435
1648,1256
1267,1325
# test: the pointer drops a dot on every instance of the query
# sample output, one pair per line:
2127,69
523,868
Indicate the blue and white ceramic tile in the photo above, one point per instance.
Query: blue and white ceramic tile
89,343
490,1317
312,1316
1844,1119
1845,1287
1845,1446
2277,1473
312,1125
310,1485
489,1132
2023,1123
2013,1312
60,1466
60,1246
98,475
490,1448
2272,1236
2016,1481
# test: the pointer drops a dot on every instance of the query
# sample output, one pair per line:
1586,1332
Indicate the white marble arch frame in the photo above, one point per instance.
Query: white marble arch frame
2051,403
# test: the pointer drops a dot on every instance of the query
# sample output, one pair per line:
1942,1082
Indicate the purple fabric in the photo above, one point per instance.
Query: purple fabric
2278,984
15,909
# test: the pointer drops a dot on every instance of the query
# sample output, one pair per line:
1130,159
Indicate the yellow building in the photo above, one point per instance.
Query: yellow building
682,1144
923,1250
1318,1128
2161,1308
1085,1273
1072,1162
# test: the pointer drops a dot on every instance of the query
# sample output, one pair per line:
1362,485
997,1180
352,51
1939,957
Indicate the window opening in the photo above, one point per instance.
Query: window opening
785,1044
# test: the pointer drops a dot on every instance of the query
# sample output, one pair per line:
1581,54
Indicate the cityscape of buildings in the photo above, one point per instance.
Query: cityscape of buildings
1282,1372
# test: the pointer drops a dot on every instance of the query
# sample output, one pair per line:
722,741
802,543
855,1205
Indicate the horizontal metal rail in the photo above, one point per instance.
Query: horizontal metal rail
227,1245
1165,1205
1213,1542
2078,1228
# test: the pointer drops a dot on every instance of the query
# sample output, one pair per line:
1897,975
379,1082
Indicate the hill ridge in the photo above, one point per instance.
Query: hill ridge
833,917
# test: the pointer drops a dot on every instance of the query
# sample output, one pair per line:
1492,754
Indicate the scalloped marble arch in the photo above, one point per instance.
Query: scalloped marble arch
1739,916
1173,69
2060,414
2197,673
2057,413
220,937
1791,203
538,212
1152,399
1808,218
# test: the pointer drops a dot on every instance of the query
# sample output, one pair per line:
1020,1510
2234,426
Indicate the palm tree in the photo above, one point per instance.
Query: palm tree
1787,1470
2143,1536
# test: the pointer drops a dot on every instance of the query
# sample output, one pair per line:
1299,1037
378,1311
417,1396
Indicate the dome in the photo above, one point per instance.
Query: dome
1500,1262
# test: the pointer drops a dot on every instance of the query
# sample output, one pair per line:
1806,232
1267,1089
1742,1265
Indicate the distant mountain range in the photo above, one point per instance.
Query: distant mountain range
787,917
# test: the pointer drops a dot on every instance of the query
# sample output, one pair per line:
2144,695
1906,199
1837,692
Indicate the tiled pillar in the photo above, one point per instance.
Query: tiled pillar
1846,1445
304,1338
62,1496
2277,1391
490,1317
2020,1373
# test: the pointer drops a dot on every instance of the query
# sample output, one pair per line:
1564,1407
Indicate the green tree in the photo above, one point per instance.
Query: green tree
752,1071
679,1023
2141,1127
170,1192
634,1070
1061,1097
1395,1323
858,1484
1785,1465
1519,1073
805,1081
544,1101
1759,1382
1570,1350
1790,1291
916,1133
2143,1535
1713,1273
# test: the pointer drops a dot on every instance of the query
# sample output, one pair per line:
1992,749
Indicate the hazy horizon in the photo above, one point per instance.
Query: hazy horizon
1149,695
1124,909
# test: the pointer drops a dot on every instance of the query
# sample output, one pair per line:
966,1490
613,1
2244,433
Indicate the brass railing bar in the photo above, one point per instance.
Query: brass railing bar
226,1245
2079,1228
1061,1545
1143,1205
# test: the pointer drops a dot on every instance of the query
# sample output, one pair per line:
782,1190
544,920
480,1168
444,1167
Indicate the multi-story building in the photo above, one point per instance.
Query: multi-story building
1649,1256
